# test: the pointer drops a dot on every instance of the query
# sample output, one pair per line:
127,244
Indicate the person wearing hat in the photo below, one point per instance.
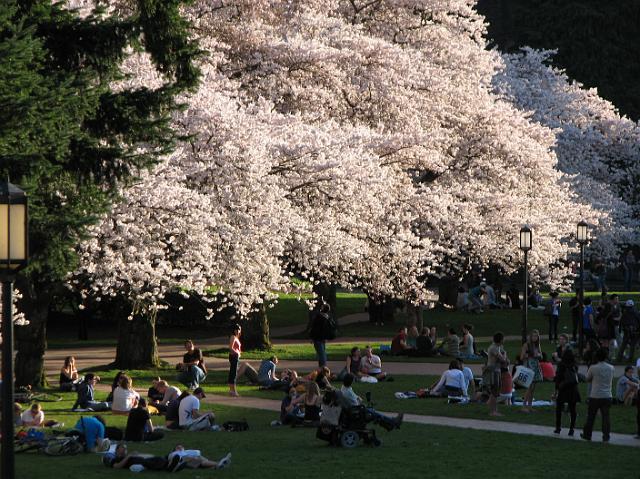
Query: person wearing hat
630,325
190,416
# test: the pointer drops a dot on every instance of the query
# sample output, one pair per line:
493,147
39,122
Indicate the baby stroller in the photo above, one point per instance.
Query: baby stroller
345,426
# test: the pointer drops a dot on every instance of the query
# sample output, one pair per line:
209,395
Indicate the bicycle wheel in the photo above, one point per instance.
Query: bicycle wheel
46,397
26,445
63,447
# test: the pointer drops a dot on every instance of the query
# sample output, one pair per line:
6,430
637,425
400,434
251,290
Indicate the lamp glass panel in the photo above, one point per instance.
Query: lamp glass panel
4,232
525,239
18,243
582,233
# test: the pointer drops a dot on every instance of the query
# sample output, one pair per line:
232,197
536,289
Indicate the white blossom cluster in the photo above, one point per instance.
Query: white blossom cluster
357,142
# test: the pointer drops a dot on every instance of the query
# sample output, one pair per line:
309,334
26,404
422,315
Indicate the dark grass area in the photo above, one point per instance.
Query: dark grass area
413,451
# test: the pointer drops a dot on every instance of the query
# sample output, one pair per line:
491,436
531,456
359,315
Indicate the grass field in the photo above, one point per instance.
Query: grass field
413,451
623,418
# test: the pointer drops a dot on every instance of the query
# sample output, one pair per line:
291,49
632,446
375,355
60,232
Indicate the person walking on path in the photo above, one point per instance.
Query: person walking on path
553,309
567,389
320,329
600,375
576,314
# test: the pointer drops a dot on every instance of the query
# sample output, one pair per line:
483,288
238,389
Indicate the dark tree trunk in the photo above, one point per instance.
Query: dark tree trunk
83,318
31,339
381,310
327,293
255,330
137,345
448,291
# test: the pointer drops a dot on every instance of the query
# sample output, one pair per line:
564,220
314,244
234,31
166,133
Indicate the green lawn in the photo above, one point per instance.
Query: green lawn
622,418
268,452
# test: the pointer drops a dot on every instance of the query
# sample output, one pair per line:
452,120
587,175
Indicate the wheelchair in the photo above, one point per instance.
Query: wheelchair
350,430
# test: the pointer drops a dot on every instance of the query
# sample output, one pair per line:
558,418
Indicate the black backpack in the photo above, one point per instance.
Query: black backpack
236,426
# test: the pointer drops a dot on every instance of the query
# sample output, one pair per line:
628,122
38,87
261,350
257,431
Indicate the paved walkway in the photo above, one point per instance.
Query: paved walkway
477,424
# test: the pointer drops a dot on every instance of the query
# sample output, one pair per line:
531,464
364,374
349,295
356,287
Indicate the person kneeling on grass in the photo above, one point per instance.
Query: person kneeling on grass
181,458
91,431
351,399
190,416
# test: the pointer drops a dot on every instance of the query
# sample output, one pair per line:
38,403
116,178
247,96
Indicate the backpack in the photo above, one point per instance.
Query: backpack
323,327
329,328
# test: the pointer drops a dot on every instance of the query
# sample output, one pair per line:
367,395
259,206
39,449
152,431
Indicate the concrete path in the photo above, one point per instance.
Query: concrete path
477,424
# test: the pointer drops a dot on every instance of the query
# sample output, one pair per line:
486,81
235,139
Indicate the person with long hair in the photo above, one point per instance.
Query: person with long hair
492,372
235,350
69,378
530,355
566,381
312,402
124,396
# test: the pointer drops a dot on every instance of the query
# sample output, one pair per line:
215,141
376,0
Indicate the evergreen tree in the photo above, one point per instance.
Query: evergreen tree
72,131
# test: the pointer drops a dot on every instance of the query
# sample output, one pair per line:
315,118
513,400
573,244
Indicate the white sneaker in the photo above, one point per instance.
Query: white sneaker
224,462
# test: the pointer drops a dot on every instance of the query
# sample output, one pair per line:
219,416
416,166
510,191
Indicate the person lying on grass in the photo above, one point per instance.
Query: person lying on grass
181,458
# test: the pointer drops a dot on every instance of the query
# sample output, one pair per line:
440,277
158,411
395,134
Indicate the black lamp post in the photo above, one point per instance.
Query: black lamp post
525,246
13,257
582,235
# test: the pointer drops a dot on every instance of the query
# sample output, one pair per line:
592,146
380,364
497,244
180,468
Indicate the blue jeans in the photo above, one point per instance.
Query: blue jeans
192,377
321,352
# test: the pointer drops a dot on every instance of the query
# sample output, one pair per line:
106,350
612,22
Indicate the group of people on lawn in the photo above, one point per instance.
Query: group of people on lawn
410,342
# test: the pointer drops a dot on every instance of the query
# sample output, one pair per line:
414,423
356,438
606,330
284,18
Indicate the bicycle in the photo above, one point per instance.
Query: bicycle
26,395
55,446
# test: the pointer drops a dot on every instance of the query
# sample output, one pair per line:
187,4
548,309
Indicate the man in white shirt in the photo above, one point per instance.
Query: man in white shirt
372,364
190,416
169,394
181,458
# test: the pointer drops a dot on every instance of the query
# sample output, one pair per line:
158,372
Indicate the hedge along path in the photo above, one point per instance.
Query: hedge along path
477,424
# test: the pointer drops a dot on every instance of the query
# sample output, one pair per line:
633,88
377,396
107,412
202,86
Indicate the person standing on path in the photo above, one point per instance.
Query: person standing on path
235,350
320,329
566,389
554,315
576,314
600,375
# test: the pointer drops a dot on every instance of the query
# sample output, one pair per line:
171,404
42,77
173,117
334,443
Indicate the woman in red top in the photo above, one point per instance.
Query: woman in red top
235,349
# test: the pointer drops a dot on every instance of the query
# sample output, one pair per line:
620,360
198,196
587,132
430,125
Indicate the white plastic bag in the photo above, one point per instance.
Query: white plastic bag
523,376
368,379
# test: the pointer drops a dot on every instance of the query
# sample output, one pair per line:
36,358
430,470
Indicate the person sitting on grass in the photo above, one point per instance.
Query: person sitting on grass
475,298
451,383
450,346
154,396
192,368
181,458
167,394
291,408
34,417
190,416
85,399
172,414
627,387
139,425
125,398
121,459
91,431
548,373
312,402
323,377
267,377
425,343
69,377
468,378
399,344
372,365
353,364
412,336
467,345
350,399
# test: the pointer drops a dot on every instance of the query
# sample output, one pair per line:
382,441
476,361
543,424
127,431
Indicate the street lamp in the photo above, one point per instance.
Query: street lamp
13,257
525,246
582,235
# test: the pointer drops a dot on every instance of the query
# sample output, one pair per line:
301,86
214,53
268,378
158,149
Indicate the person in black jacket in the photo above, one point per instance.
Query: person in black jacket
139,426
319,325
567,389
